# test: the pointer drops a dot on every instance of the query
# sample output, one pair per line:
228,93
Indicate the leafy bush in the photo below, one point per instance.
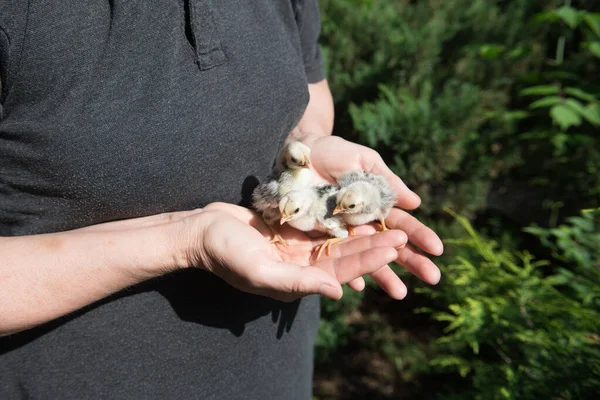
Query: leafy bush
489,108
449,93
521,328
561,105
417,81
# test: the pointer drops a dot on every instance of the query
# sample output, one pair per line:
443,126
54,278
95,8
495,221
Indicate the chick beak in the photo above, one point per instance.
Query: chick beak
283,219
306,162
337,210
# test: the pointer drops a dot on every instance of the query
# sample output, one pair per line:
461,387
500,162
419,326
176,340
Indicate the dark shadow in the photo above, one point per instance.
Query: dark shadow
285,314
196,296
227,307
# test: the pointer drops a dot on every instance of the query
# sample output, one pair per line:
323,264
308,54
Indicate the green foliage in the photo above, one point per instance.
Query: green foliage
424,83
576,243
564,109
436,133
455,104
490,108
517,327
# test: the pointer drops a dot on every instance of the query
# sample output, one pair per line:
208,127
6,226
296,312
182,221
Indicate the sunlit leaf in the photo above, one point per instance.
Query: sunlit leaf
490,51
546,16
564,117
546,102
580,94
541,90
594,48
593,23
569,15
592,113
575,105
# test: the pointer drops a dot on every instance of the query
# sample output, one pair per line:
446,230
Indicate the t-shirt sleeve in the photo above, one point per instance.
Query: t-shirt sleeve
308,19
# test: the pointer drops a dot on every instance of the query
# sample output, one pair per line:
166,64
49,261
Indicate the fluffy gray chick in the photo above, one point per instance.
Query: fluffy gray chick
291,171
364,197
312,209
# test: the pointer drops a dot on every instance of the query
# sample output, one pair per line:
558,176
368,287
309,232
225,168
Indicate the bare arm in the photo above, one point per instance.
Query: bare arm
318,116
43,277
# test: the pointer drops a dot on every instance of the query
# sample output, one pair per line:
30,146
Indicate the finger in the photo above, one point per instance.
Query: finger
348,268
387,279
358,284
419,265
406,198
287,281
418,234
238,254
357,244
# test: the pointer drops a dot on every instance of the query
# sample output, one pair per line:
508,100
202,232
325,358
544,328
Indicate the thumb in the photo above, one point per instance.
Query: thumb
289,281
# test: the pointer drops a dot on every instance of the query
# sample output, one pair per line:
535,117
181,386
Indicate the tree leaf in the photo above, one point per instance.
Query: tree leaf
546,16
541,90
594,48
593,23
569,15
546,102
592,113
490,51
580,94
575,105
564,117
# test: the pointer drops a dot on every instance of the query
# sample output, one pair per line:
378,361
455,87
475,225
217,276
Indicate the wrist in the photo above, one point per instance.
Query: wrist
185,238
306,137
153,251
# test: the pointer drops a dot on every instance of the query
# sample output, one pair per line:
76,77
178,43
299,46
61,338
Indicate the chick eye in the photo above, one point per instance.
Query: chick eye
296,211
352,205
294,160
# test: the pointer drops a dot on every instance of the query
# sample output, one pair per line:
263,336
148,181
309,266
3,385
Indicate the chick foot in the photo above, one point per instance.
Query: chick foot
383,227
326,246
277,239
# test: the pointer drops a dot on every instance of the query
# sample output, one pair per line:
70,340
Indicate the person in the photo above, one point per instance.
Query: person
131,136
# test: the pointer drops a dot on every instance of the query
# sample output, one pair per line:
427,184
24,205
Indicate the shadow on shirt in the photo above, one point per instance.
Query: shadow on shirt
214,303
194,295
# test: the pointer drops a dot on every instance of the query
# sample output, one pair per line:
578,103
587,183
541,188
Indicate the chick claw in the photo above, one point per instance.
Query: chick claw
277,239
326,246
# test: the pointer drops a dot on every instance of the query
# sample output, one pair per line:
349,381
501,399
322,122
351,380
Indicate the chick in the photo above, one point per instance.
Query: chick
291,171
291,168
312,209
364,197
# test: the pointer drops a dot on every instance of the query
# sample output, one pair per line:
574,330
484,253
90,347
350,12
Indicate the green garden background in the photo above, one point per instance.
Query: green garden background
490,111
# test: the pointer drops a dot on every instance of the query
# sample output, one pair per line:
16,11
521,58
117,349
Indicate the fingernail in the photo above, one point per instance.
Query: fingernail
329,291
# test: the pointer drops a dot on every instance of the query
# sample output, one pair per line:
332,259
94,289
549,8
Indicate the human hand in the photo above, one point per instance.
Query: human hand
333,156
233,243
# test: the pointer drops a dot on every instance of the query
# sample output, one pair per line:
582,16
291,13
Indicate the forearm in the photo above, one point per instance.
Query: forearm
43,277
318,116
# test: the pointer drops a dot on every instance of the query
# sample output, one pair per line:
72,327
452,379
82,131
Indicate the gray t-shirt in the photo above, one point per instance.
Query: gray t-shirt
119,109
